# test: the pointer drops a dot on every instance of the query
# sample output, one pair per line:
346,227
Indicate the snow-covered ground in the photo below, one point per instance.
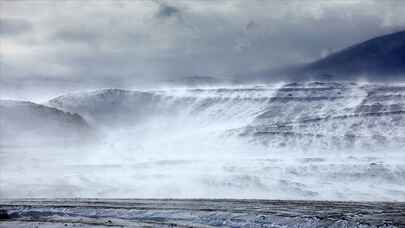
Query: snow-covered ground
198,213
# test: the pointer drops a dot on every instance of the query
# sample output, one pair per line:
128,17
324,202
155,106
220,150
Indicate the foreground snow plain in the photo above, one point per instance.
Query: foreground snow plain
199,213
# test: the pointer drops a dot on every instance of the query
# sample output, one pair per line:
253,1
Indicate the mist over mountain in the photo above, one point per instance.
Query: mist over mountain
108,107
200,81
28,123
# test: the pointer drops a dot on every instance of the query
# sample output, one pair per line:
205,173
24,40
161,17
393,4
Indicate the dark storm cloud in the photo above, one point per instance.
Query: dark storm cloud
10,27
166,10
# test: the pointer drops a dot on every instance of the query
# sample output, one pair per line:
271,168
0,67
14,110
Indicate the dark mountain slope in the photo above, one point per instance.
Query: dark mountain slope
377,59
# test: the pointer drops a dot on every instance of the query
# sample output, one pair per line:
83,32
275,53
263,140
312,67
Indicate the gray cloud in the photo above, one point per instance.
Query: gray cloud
10,27
105,44
76,35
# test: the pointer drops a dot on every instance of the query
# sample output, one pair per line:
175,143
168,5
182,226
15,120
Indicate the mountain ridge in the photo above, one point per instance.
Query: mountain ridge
383,55
377,59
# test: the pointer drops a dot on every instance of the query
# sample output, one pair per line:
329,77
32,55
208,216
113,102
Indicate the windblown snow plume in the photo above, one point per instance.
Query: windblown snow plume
313,140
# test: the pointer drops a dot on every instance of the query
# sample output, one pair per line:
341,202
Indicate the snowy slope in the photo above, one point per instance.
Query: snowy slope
29,123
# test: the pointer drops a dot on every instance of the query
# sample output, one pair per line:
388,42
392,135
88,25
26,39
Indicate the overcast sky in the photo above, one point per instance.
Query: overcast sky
89,44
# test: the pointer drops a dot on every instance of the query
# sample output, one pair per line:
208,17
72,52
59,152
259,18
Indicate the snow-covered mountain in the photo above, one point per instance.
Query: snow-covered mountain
348,112
333,115
28,123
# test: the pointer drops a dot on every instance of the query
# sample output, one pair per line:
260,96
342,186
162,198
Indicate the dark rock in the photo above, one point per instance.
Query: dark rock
4,215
